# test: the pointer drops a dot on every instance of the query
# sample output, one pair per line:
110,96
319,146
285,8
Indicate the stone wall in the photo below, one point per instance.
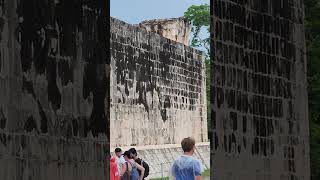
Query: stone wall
259,105
54,89
157,89
176,29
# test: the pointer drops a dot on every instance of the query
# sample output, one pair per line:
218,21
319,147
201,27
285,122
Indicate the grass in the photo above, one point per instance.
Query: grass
206,173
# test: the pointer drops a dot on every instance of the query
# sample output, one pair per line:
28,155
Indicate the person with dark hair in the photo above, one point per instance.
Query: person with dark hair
130,168
141,162
120,159
186,167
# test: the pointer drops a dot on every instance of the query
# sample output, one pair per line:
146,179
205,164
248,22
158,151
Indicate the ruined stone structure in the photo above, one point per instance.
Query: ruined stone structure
259,105
176,29
157,89
54,89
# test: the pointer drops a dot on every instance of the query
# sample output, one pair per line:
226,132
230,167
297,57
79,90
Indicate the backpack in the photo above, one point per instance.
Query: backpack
146,167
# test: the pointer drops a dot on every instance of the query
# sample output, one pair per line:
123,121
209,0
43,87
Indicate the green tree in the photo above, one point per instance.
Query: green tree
312,34
199,16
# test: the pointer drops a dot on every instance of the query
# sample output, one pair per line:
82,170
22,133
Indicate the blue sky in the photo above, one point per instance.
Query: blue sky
135,11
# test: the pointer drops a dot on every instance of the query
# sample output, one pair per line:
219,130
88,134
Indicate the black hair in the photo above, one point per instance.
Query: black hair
133,151
117,150
127,153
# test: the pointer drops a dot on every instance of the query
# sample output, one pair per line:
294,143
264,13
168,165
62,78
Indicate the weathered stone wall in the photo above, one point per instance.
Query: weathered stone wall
259,116
157,89
54,89
176,29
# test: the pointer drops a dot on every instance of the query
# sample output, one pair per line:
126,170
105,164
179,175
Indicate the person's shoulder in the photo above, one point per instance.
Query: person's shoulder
179,157
122,160
177,160
196,161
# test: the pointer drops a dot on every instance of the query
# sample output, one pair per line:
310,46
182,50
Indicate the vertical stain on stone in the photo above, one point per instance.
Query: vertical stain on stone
23,142
28,87
229,143
220,97
216,141
75,127
167,103
3,139
0,62
244,124
225,143
68,16
44,120
30,124
244,141
65,72
54,94
257,149
3,119
163,113
233,120
94,82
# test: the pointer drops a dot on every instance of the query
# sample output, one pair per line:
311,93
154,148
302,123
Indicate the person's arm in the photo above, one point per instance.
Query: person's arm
141,168
123,169
197,170
172,172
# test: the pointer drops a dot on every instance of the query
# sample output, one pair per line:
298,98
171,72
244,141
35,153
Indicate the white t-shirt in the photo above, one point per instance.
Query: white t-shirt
120,161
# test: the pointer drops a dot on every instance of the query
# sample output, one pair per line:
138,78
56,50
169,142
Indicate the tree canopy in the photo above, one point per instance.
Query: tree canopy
199,15
312,35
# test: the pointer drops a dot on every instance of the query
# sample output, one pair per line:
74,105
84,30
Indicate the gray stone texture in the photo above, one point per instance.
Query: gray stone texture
176,29
157,89
54,89
259,110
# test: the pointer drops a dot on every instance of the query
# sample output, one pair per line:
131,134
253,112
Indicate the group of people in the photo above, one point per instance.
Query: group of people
128,166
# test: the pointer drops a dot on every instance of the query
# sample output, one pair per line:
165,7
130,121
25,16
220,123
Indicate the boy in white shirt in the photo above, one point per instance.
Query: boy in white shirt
120,158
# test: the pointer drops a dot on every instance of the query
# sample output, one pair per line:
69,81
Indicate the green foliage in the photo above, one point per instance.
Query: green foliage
199,15
206,173
165,178
314,145
312,34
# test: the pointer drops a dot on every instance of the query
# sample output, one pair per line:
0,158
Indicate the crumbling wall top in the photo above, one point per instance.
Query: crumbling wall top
177,29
